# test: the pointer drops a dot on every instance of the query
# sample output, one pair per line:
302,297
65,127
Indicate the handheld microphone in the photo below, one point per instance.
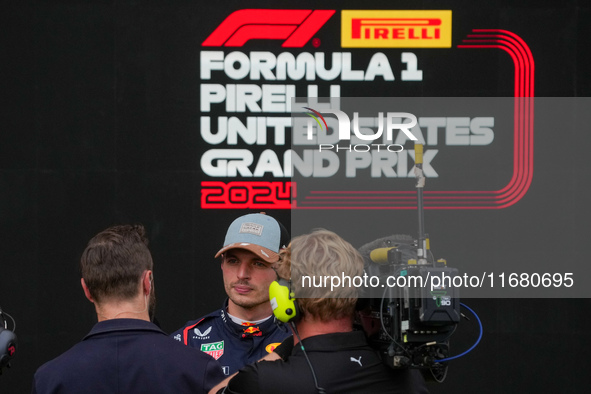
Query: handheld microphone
8,341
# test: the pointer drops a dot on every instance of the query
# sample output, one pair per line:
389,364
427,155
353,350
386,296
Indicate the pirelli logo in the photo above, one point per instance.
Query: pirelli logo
395,29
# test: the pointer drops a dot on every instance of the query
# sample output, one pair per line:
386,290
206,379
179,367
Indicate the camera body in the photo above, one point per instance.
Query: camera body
411,322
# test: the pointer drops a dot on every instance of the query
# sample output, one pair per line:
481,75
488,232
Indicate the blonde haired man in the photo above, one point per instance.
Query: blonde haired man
328,355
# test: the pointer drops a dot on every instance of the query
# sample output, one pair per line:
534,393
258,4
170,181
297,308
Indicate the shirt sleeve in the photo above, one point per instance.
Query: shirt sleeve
284,350
246,381
213,375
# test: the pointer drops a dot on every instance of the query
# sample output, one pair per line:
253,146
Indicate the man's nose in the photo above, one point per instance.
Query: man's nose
243,270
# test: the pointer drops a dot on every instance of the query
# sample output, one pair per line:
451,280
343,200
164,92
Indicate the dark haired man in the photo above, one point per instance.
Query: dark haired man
124,352
244,329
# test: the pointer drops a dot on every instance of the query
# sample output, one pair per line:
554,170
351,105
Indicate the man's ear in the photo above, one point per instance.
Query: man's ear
147,282
86,291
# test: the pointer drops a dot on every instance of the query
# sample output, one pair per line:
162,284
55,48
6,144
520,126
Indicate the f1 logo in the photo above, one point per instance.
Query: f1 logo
296,27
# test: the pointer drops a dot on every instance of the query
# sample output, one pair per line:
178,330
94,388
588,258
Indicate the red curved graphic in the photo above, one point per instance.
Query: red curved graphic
522,175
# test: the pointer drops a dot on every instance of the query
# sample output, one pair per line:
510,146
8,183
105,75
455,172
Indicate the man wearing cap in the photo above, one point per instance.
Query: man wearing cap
244,329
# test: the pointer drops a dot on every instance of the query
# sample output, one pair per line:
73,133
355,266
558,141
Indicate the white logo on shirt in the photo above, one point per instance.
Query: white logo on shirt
202,334
177,337
357,361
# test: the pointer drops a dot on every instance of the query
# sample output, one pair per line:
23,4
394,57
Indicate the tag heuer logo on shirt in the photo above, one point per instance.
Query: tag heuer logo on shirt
215,349
202,334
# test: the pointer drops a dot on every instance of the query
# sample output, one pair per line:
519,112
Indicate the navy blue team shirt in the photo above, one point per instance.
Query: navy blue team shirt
233,345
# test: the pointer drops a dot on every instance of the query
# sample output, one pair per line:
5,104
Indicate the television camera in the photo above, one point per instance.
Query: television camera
412,321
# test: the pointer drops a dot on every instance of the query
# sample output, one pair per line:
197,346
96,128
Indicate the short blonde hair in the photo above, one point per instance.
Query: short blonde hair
322,254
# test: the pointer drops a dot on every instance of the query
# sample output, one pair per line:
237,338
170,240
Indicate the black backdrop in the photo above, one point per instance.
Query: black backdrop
100,125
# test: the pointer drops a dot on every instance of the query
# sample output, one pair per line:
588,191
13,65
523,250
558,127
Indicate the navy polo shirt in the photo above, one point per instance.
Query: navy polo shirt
128,356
